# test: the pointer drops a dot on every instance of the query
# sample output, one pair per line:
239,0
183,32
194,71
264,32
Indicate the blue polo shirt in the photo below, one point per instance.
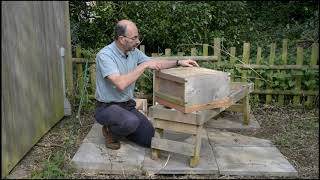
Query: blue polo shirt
110,60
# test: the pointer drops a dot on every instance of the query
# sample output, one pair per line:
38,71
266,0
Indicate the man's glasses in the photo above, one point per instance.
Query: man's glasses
134,38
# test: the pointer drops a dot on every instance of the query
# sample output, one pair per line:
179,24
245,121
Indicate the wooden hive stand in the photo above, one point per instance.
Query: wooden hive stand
192,123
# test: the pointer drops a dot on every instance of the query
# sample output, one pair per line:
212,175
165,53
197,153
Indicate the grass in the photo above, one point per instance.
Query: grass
295,131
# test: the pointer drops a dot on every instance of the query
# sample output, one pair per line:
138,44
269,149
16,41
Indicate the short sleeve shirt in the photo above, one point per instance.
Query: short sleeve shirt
111,60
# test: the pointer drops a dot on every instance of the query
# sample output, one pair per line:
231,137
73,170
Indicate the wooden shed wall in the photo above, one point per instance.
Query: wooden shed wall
31,81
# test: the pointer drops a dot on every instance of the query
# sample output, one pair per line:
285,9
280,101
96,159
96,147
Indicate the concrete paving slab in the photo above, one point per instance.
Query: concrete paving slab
93,156
221,153
224,138
253,161
231,121
179,164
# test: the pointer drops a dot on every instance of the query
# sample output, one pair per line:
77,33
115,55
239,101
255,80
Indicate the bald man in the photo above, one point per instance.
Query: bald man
118,66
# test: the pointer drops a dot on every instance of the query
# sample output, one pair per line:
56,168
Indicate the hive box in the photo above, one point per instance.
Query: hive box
189,89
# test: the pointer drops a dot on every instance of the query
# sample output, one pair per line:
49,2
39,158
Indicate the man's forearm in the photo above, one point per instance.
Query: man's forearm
164,64
123,81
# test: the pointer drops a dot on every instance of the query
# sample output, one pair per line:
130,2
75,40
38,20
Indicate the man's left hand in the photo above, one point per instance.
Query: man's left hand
188,63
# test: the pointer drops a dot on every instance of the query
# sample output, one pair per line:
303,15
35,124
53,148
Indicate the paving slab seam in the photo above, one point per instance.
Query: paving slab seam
213,152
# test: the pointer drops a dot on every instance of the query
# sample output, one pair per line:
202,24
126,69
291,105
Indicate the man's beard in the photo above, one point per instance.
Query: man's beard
128,48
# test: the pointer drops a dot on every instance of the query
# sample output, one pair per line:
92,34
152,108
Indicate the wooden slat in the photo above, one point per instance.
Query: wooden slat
156,152
296,99
287,92
245,60
93,78
171,99
205,49
257,81
196,58
172,146
284,60
194,161
79,72
175,126
314,59
222,103
235,108
232,61
217,48
159,74
193,51
271,62
195,118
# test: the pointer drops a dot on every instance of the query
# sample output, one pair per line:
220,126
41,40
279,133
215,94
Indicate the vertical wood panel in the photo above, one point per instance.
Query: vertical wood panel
296,99
32,90
270,72
257,81
245,60
314,59
284,59
233,60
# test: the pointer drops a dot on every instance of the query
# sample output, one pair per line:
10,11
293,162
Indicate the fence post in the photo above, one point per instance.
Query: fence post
284,58
193,51
142,48
271,62
232,60
79,71
296,99
217,49
314,58
93,78
257,81
205,49
246,57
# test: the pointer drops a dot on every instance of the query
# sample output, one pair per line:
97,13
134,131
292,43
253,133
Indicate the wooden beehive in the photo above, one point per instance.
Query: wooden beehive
190,89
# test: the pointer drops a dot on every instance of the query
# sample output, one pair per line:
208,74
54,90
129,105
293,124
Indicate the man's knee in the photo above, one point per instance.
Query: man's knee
130,124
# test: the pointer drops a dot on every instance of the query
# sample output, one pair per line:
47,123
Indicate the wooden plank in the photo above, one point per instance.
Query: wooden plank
196,118
175,126
296,99
169,98
222,103
246,109
155,83
172,146
32,100
194,161
180,54
245,60
217,48
314,59
155,153
257,81
68,52
196,58
235,108
271,67
284,59
271,62
170,77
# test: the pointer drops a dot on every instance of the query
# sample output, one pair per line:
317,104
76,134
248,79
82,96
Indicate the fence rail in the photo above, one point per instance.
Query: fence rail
264,85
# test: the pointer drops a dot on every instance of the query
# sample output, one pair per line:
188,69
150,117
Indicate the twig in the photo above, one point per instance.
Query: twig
49,145
152,174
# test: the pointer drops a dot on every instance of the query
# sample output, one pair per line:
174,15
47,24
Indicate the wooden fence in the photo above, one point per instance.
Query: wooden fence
268,87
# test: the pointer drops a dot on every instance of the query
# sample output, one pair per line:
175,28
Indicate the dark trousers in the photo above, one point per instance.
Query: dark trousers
123,119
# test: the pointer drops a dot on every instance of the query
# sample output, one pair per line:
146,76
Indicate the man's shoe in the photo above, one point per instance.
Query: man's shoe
111,142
